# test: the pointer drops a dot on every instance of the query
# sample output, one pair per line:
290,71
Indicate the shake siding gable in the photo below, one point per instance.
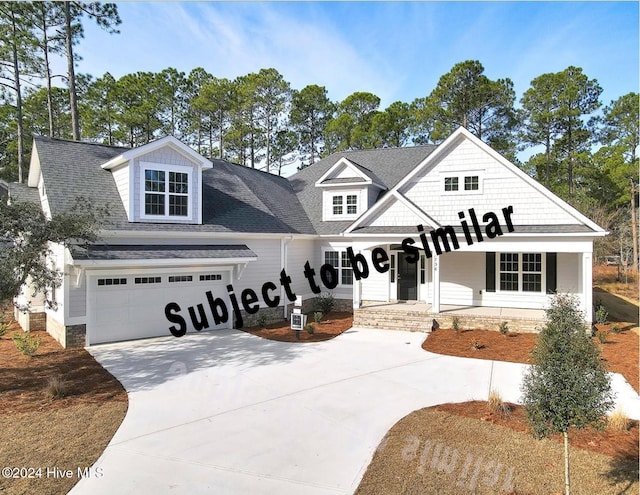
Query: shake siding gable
499,188
396,214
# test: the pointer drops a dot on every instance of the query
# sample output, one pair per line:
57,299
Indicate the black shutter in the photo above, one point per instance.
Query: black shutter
552,261
491,272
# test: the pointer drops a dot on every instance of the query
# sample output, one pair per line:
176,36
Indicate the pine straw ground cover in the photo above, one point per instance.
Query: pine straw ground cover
443,451
39,431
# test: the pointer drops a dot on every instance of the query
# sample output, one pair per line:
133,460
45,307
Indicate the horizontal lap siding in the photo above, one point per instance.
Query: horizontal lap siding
265,269
299,252
77,297
376,286
461,278
568,275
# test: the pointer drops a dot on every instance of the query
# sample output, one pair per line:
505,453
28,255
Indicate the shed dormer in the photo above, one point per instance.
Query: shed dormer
348,190
160,182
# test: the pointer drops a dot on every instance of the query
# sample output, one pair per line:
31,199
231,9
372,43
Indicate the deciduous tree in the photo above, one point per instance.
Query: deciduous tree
25,237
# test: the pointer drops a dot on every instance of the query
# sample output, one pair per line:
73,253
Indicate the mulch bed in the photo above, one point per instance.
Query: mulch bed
333,325
619,351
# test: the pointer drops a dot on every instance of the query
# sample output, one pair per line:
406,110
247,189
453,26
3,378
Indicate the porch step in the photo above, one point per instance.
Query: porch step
411,321
422,321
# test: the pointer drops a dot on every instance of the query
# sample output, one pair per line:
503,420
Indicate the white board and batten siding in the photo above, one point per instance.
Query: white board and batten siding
498,188
120,176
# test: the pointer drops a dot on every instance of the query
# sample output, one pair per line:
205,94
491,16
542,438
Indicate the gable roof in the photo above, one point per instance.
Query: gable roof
456,137
236,198
167,141
386,166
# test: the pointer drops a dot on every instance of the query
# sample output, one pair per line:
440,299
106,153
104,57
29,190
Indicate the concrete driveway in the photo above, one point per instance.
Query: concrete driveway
229,413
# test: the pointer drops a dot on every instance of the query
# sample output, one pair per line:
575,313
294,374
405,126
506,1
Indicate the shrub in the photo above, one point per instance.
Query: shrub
455,323
4,328
602,336
317,316
602,314
57,388
496,404
325,302
26,343
310,328
503,327
618,420
616,329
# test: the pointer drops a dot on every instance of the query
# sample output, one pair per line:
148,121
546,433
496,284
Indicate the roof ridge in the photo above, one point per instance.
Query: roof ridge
71,141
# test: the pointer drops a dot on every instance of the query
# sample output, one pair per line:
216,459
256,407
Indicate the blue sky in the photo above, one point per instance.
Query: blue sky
396,50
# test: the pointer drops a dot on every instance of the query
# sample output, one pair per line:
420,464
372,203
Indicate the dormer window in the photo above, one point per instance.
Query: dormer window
166,191
344,206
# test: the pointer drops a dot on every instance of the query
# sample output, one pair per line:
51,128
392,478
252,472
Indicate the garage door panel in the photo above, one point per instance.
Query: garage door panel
133,311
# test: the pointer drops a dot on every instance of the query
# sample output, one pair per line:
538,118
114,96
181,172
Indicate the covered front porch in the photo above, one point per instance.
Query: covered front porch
420,316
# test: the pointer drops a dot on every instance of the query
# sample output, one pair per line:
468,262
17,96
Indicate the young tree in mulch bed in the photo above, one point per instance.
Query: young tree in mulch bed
567,386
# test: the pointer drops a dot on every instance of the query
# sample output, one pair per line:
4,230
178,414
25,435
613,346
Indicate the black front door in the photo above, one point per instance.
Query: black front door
407,279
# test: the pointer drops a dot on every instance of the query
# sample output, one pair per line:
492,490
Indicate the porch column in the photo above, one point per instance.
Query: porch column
587,286
356,293
435,277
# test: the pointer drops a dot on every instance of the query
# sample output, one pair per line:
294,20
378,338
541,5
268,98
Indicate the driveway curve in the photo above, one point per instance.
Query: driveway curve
226,412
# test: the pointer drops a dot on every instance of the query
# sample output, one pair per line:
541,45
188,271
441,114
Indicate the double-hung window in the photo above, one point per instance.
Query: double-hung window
166,191
344,205
521,272
340,261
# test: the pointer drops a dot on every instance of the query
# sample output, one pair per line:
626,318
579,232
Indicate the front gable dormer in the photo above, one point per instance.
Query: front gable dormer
160,182
348,190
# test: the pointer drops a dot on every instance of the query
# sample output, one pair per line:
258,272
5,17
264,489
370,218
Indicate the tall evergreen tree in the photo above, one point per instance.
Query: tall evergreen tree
106,16
17,64
311,110
468,98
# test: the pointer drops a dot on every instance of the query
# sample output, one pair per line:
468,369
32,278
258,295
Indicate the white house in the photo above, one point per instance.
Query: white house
192,244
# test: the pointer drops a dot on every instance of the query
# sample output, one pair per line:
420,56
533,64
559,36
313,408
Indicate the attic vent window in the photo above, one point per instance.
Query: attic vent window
471,183
450,183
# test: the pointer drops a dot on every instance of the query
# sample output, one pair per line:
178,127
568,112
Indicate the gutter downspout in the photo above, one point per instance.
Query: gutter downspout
284,258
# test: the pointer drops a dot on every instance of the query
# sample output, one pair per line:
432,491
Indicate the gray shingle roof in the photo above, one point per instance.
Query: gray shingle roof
143,252
23,193
236,198
386,166
517,229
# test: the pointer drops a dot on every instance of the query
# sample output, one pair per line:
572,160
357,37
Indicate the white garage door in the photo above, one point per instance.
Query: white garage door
132,306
